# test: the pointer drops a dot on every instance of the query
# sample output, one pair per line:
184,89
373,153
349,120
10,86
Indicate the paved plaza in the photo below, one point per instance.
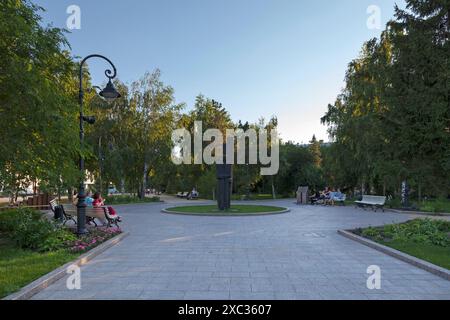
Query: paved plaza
297,255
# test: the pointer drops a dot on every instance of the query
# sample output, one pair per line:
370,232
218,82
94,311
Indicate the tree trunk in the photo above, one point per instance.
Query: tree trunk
144,181
11,198
70,195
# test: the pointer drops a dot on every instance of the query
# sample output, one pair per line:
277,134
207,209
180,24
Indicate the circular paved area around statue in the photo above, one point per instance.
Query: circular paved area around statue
298,255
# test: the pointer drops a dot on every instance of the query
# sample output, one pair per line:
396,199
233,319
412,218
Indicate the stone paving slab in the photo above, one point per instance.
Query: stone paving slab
293,256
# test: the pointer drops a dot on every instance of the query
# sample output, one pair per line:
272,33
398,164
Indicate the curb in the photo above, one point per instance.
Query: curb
139,203
261,214
45,281
421,213
419,263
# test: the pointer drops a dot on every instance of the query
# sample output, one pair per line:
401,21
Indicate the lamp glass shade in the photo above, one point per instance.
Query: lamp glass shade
110,93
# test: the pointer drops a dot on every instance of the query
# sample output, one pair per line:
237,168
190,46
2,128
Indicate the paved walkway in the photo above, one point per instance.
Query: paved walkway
297,255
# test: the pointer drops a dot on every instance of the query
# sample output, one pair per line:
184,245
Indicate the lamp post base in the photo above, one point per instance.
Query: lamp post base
81,214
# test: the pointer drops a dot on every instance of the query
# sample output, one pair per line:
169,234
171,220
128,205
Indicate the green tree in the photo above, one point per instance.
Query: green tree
136,134
314,147
37,112
391,122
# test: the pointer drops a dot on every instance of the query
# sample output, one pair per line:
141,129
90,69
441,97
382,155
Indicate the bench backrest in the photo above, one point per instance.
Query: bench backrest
379,200
90,211
53,204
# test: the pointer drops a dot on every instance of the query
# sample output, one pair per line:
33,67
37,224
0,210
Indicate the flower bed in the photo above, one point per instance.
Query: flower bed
93,239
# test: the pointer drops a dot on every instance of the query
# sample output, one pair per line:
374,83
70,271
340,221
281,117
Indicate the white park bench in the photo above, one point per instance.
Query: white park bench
375,202
182,194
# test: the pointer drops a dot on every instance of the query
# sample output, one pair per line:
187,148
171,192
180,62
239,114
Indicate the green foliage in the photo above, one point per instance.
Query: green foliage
57,239
389,124
394,203
184,178
391,121
127,199
9,218
206,184
37,101
372,233
424,231
436,206
30,230
299,166
133,140
130,145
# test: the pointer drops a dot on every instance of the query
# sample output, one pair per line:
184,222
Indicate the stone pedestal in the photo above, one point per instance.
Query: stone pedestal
224,184
302,195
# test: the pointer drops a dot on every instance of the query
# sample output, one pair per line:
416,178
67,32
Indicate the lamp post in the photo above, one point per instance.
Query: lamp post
100,159
109,93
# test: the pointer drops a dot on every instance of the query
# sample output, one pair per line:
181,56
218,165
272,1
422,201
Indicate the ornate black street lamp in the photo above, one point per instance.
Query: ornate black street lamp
109,93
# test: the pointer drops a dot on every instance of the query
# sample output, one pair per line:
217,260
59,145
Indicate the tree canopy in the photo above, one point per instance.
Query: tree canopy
390,123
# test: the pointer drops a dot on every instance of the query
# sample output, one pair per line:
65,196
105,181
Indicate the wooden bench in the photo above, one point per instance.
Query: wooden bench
375,202
92,213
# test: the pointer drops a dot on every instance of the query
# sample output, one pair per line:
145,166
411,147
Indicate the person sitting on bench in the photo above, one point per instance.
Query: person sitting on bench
193,194
99,202
314,198
89,200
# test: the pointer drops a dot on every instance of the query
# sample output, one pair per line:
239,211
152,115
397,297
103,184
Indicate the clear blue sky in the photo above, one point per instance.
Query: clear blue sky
258,57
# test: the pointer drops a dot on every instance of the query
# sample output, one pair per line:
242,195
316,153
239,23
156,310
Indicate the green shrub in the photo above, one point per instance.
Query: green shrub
31,231
372,233
9,218
425,231
394,203
56,240
436,206
124,199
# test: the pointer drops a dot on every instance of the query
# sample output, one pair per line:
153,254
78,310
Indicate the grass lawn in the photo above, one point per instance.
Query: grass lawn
437,255
20,267
235,210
